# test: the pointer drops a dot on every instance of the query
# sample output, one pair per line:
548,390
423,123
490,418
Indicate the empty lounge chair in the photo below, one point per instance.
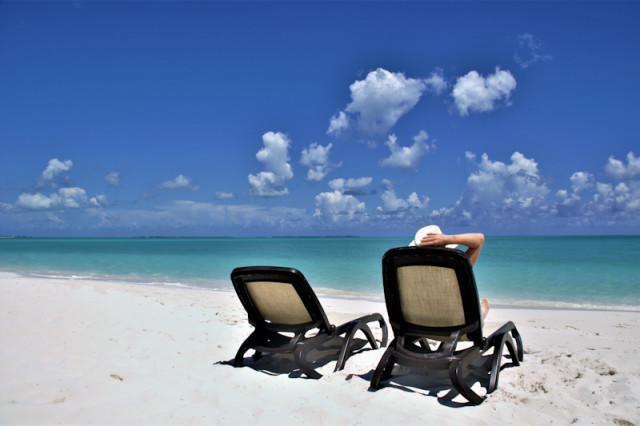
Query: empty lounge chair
280,300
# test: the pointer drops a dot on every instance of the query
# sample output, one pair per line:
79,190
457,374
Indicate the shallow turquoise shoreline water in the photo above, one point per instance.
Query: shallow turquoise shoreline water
578,272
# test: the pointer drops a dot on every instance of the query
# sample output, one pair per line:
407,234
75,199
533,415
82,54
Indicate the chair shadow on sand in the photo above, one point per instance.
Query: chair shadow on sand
433,383
437,383
277,364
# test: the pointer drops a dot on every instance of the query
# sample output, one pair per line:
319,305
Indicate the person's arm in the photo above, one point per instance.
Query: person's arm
474,243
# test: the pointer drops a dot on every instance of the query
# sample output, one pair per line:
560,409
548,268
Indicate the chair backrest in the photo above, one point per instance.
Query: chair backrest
431,291
278,299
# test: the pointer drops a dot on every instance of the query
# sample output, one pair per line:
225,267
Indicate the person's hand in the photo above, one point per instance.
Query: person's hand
438,240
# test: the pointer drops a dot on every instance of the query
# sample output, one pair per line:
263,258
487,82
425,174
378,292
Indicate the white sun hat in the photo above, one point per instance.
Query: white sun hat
431,229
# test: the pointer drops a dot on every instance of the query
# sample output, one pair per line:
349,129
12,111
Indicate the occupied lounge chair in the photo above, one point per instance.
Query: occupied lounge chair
431,297
280,300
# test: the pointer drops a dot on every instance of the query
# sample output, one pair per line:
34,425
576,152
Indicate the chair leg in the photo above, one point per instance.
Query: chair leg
507,328
345,350
351,328
300,355
384,368
520,350
244,347
360,322
456,373
496,360
500,338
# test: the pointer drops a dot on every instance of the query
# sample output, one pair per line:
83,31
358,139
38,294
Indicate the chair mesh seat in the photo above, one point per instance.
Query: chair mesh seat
430,296
278,302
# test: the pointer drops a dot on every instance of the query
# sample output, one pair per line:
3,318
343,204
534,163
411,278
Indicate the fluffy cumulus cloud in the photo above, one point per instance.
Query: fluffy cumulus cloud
316,159
516,193
180,182
64,198
581,181
406,157
67,197
392,204
340,205
615,200
338,123
277,170
496,190
380,100
516,186
475,93
436,83
54,168
619,170
351,186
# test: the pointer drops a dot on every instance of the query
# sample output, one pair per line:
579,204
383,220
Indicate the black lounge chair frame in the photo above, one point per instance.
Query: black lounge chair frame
411,347
268,335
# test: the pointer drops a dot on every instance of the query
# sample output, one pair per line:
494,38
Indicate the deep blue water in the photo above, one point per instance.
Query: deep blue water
580,272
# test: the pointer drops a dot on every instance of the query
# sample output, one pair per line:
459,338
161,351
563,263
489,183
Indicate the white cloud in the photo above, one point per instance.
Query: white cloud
224,195
530,51
497,191
592,202
436,83
618,199
64,198
617,169
515,193
316,159
518,183
68,197
99,200
569,203
474,93
113,179
350,186
180,181
338,123
277,170
38,201
411,210
338,207
581,181
391,203
73,197
266,184
406,157
380,100
55,167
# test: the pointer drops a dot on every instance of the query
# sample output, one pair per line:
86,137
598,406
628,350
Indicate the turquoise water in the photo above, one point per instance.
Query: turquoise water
581,272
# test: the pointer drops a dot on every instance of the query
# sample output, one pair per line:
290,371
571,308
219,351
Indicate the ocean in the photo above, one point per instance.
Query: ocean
598,272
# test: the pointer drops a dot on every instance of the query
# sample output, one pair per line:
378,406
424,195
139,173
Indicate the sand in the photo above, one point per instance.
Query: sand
97,352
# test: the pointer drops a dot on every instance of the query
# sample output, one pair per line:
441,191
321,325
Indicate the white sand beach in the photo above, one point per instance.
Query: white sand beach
96,352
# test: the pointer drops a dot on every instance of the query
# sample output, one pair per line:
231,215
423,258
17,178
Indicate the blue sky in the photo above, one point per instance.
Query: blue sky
313,118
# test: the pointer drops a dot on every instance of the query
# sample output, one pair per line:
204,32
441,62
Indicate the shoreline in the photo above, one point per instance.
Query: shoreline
79,351
226,286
